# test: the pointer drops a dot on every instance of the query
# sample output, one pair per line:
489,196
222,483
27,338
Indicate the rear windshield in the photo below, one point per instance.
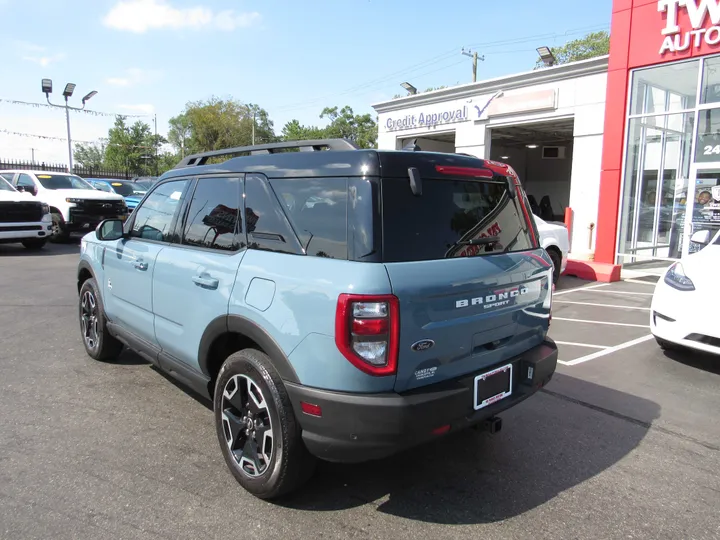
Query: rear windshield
439,223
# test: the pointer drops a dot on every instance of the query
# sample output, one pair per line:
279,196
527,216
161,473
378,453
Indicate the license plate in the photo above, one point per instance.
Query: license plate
493,386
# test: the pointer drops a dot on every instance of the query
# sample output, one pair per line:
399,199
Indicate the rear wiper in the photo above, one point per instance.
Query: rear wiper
479,241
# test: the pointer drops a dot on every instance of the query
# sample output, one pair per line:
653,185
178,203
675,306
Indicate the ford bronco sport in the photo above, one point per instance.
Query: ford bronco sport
334,303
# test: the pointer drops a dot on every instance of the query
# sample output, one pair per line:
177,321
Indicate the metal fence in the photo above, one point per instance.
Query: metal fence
84,172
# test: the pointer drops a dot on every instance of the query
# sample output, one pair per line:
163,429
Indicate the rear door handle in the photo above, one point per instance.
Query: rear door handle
140,265
206,281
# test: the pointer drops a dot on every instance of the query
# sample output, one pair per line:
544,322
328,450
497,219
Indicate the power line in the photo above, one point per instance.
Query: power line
86,111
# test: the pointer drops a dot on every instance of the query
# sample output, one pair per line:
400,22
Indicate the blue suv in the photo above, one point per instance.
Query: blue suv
334,303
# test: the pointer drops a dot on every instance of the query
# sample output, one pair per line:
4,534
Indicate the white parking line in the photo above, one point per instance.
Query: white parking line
624,293
601,305
607,351
581,345
566,291
639,282
602,322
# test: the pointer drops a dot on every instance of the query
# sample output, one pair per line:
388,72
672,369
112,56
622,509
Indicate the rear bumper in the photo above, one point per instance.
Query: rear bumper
362,427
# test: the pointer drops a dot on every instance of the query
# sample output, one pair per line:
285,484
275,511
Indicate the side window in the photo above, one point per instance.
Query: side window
317,208
267,226
8,176
25,180
153,218
213,219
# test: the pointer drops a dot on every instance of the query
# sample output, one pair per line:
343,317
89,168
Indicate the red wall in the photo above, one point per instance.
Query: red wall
635,41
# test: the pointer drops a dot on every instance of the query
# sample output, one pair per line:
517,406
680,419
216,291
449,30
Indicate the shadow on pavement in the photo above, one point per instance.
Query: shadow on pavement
695,359
548,445
71,247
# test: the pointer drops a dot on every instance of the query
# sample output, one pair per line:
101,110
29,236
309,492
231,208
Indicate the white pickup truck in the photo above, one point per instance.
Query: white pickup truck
75,205
554,238
23,218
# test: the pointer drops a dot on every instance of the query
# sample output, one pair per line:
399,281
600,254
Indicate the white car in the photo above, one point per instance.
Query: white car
23,218
75,205
554,238
682,311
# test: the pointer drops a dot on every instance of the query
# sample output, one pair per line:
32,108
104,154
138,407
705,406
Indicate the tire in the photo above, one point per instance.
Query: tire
34,243
557,263
266,468
60,232
98,342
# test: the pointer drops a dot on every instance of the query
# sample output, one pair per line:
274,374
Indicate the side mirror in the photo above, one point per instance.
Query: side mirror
701,237
110,229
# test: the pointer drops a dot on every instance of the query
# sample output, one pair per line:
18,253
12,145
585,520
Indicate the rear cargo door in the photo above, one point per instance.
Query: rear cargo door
465,305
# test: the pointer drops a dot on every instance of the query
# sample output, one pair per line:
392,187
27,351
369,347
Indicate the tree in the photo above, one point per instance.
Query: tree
132,148
294,131
179,133
591,45
344,123
91,156
217,123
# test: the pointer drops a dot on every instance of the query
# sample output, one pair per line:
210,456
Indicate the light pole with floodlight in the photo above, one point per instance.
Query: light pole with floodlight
69,89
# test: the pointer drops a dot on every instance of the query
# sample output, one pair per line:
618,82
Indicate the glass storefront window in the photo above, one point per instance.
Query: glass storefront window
711,81
656,182
667,88
707,147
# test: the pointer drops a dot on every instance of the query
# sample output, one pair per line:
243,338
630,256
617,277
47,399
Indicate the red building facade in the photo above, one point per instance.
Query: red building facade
661,152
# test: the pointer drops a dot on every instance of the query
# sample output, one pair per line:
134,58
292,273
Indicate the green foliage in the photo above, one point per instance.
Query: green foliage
344,123
590,46
132,148
90,155
294,131
218,123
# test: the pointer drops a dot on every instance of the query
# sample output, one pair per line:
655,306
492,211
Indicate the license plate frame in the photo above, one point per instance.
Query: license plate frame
480,398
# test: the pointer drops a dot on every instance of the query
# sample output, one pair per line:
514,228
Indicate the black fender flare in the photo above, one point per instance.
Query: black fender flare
84,265
238,324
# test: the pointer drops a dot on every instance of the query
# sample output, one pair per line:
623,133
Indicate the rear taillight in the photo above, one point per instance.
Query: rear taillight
367,330
475,172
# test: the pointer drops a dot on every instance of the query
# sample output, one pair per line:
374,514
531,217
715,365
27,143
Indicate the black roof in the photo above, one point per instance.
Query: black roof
331,162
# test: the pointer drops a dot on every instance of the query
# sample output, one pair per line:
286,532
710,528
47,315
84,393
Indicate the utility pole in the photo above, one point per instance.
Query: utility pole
155,144
475,57
33,155
253,128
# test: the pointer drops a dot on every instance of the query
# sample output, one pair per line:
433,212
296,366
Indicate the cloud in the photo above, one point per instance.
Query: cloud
144,108
134,76
139,16
44,60
31,52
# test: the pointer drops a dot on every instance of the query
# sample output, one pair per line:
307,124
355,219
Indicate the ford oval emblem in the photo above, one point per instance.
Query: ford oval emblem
423,345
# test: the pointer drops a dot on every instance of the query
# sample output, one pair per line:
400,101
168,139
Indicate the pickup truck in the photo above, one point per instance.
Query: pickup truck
23,219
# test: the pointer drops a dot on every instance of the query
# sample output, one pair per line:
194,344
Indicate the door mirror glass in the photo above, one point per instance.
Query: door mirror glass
110,229
701,237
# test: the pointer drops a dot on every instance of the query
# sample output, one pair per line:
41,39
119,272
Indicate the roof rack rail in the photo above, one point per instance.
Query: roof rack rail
271,148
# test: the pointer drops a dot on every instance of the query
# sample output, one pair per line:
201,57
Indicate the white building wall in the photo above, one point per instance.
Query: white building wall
581,97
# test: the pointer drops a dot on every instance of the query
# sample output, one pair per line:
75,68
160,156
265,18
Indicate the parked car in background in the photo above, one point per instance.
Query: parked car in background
23,218
133,192
146,179
74,204
554,238
342,304
682,312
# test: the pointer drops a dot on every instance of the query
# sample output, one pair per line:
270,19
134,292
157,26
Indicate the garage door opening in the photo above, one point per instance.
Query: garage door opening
436,142
541,154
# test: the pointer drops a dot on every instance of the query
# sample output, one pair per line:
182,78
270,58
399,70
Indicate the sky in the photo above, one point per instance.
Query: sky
293,58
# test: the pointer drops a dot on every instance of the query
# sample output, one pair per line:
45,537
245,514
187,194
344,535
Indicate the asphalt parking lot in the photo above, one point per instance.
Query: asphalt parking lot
623,443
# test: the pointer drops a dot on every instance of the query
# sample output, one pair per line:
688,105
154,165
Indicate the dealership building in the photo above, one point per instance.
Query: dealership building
625,148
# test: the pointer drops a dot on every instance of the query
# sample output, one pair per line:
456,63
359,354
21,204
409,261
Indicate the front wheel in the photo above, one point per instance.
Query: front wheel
59,228
556,258
99,344
258,434
34,243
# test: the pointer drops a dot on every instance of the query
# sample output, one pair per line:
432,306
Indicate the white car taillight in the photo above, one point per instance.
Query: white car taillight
367,330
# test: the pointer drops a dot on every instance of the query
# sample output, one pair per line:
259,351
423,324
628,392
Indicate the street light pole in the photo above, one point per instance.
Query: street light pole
67,119
67,93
